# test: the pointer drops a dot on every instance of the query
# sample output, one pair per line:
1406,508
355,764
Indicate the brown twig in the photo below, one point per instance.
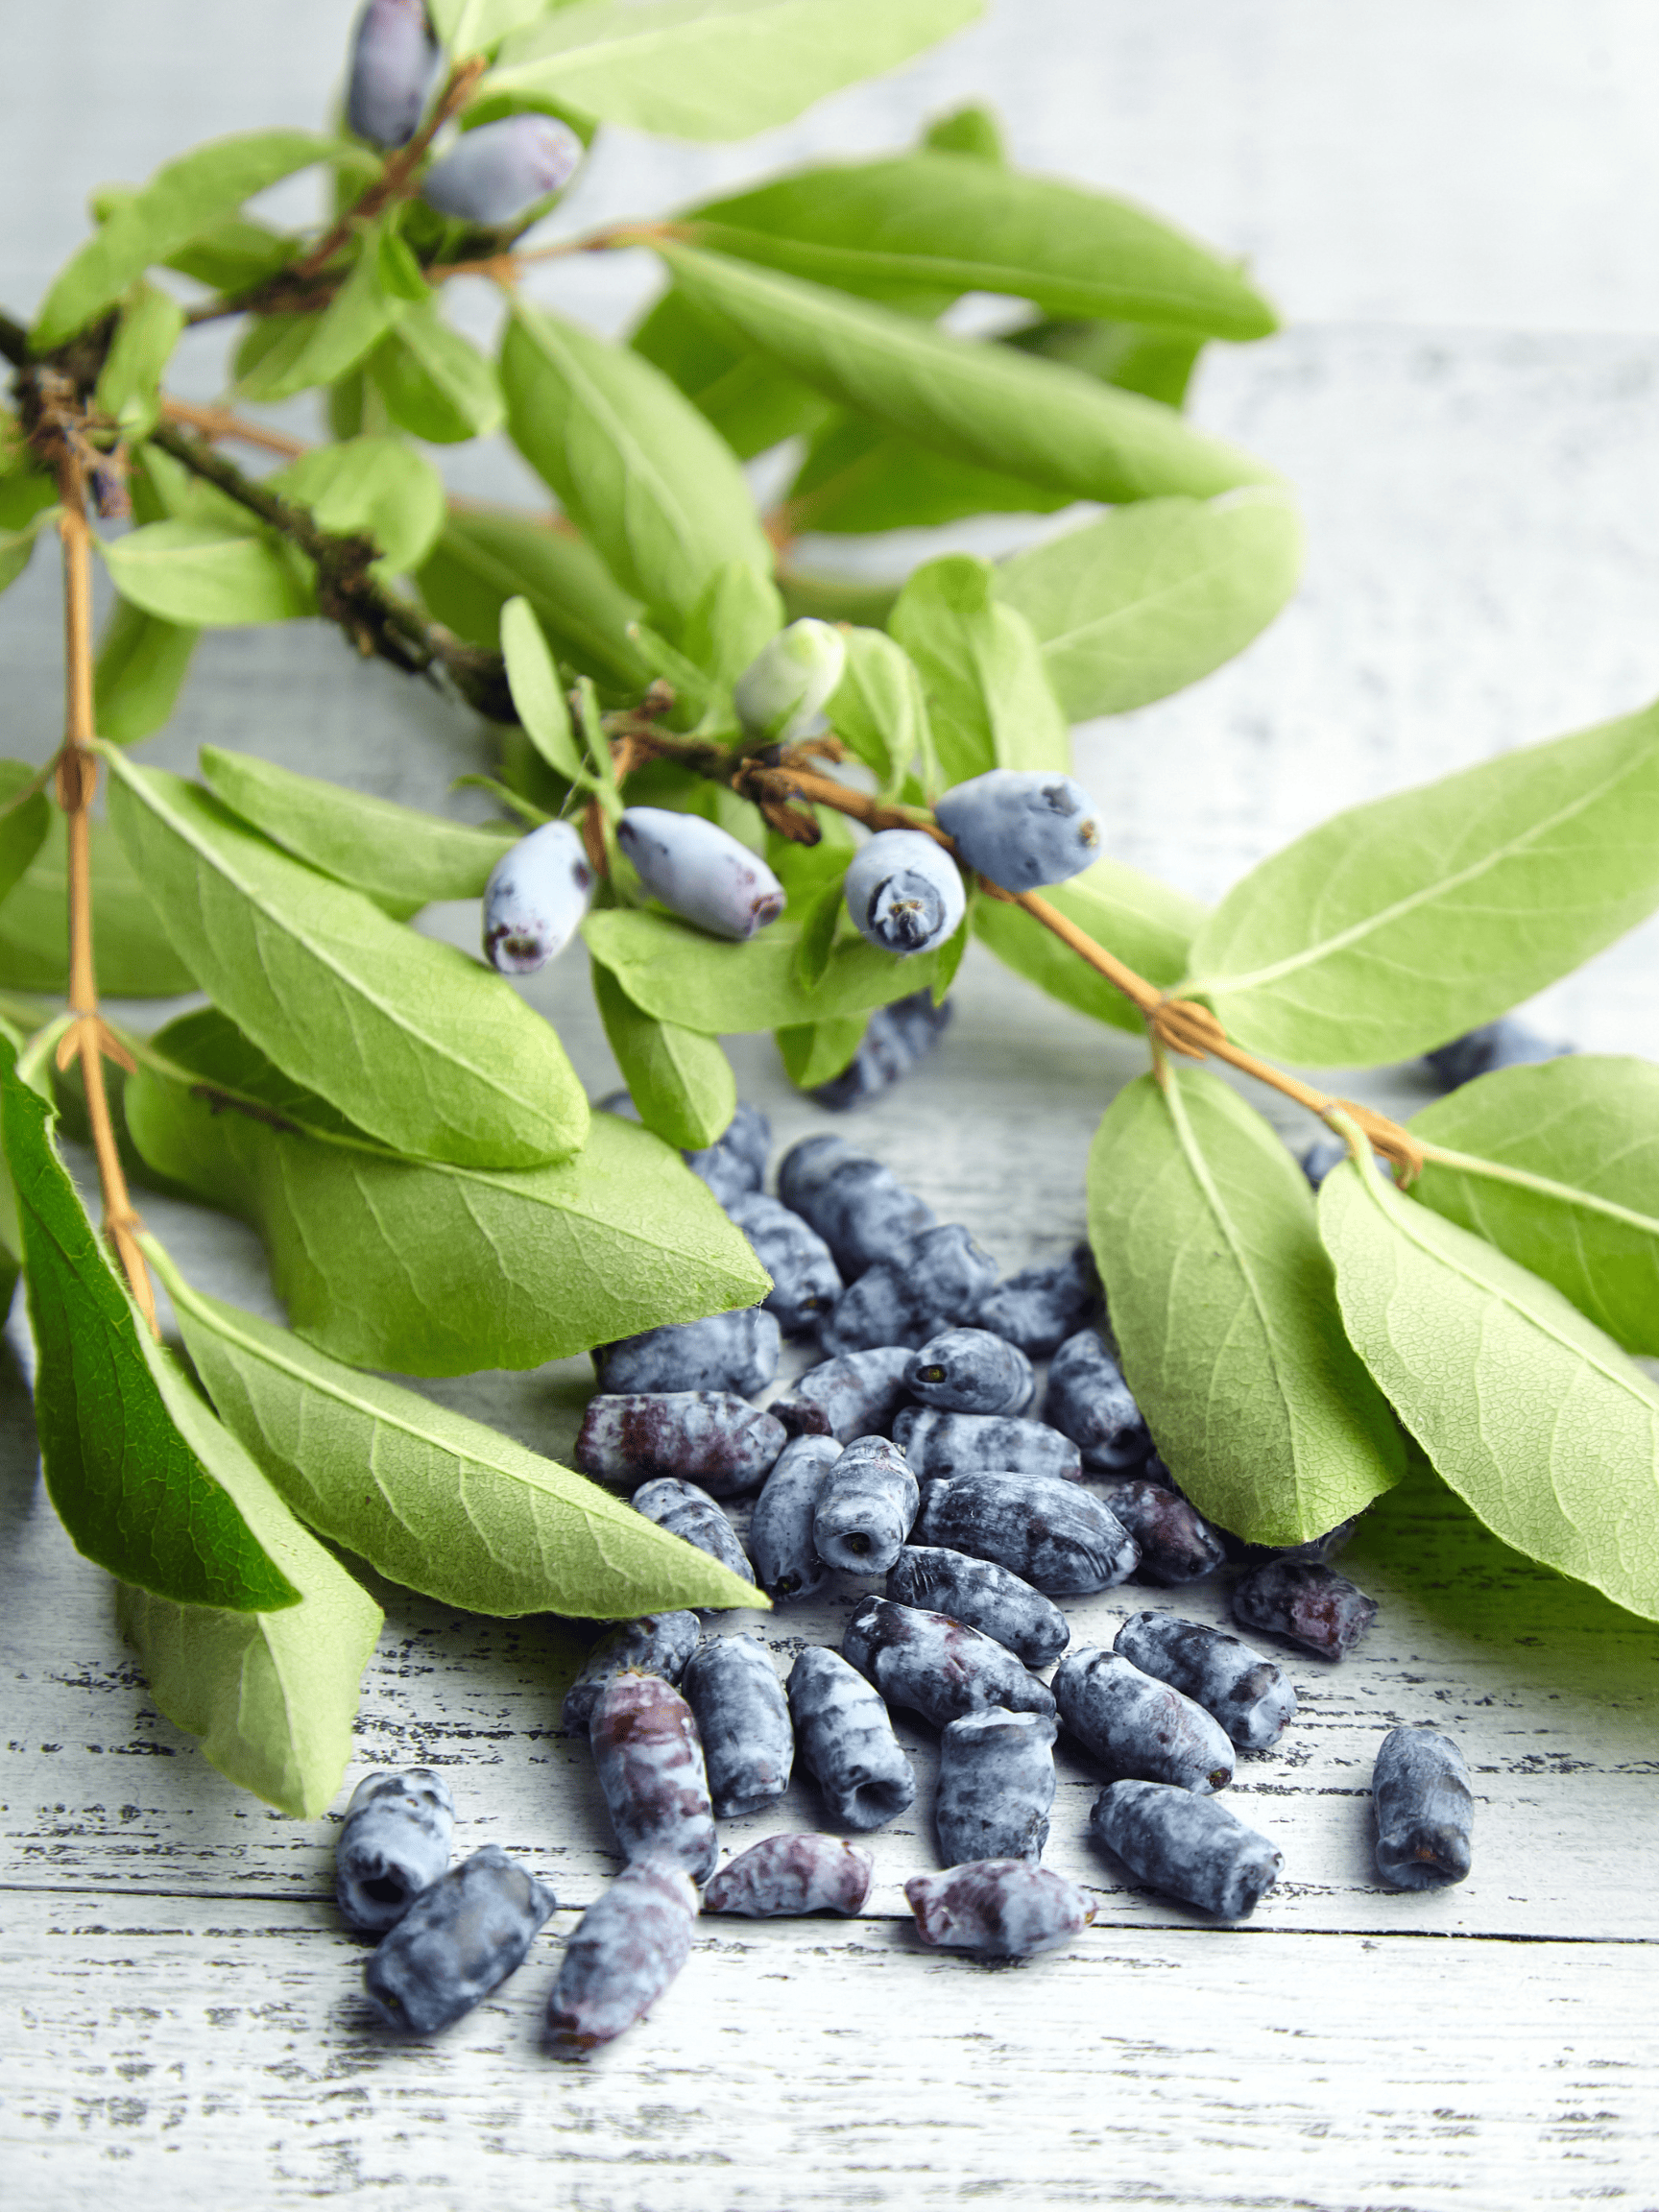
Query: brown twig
220,422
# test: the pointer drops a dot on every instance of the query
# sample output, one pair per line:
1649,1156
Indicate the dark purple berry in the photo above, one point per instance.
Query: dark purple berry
736,1160
1189,1847
866,1507
846,1741
655,1644
649,1761
535,898
1136,1727
1021,826
1250,1696
942,1669
806,1280
857,1395
1307,1602
784,1876
786,1561
742,1716
393,59
1425,1809
1177,1544
700,871
971,1371
736,1352
1088,1399
394,1843
1502,1044
459,1940
1040,1307
627,1948
905,892
983,1594
494,173
859,1208
944,1444
685,1510
996,1786
726,1443
1053,1535
899,1036
1002,1908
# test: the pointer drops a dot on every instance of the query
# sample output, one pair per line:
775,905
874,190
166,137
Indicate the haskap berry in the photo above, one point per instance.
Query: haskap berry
686,1510
996,1785
394,1843
1002,1908
1189,1847
937,1443
631,1436
742,1716
970,1371
1040,1307
982,1595
857,1395
492,173
806,1280
535,899
1088,1399
787,1560
924,1663
627,1949
736,1160
784,1876
1307,1604
649,1760
1425,1809
736,1352
459,1940
1502,1044
1177,1544
846,1741
898,1037
866,1507
786,688
1053,1535
1138,1728
655,1643
1251,1698
936,1277
859,1208
700,871
905,893
394,60
1021,826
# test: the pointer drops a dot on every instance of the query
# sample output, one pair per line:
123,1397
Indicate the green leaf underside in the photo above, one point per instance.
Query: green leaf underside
209,576
1151,597
290,353
428,1268
411,1041
990,703
680,1081
1148,924
1558,1165
925,218
431,1500
1527,1411
1222,1300
133,953
387,851
652,488
24,827
689,70
182,199
672,970
138,1470
1398,924
142,663
1048,424
750,400
482,561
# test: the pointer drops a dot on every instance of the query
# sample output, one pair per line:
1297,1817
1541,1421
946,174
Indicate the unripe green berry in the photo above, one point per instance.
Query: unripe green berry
790,681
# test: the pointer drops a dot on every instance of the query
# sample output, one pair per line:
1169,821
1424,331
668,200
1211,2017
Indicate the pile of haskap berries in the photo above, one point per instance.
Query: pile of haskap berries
908,1452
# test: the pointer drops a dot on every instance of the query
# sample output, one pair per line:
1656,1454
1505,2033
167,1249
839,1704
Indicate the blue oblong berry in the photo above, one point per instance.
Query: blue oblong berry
996,1785
628,1946
736,1352
394,60
535,899
735,1161
942,1669
905,892
971,1371
1502,1044
784,1876
806,1280
859,1208
898,1037
786,1561
855,1395
937,1443
1189,1847
936,1277
1251,1698
1021,826
700,871
1177,1544
494,173
846,1741
1306,1602
631,1436
984,1595
866,1507
1425,1809
1002,1908
1053,1535
685,1509
1040,1307
459,1940
655,1643
1139,1728
394,1843
1088,1399
742,1716
649,1760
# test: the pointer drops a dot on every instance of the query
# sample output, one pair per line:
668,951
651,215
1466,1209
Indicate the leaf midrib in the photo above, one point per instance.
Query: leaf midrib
1525,1179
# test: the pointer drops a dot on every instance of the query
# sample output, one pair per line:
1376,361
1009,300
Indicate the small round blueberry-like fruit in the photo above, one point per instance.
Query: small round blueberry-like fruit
700,871
537,895
1021,826
790,681
394,55
905,892
494,173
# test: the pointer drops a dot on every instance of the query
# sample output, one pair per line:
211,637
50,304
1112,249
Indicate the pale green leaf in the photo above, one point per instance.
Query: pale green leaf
680,1079
150,325
471,26
1222,1304
877,709
1157,363
142,663
16,546
375,486
750,400
972,130
384,284
482,561
818,932
990,703
858,479
24,824
814,1052
544,713
133,953
436,383
210,575
739,610
1148,924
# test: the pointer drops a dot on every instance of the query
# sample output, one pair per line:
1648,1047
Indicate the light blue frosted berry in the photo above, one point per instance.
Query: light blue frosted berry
905,892
700,871
494,173
535,899
394,1843
394,56
1021,826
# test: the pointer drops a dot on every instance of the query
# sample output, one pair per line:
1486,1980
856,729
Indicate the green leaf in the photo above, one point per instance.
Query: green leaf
142,663
739,610
292,353
375,486
181,202
210,575
717,68
835,598
952,953
1220,1299
233,254
23,827
414,1043
150,325
1527,1411
814,1052
482,561
650,485
429,1268
675,972
1152,597
932,220
1398,924
857,478
431,1500
139,1473
471,26
164,490
436,384
1035,419
1558,1165
534,682
749,399
17,545
877,709
817,937
971,130
1156,363
990,701
680,1081
1148,924
133,953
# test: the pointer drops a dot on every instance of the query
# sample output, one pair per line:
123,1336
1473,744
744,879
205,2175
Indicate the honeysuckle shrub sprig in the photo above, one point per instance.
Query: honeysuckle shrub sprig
406,1133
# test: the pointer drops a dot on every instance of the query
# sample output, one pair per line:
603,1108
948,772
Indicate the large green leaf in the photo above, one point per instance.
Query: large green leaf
858,477
749,399
23,826
1153,596
414,1043
651,487
1533,1416
1396,925
435,382
133,954
717,68
991,404
425,1268
931,219
128,388
183,198
141,1475
879,710
990,701
1558,1165
1148,924
373,485
1156,363
142,663
210,575
431,1500
290,353
679,1078
482,561
1222,1300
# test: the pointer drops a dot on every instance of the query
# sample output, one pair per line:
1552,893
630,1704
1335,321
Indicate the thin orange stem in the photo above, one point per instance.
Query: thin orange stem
220,423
